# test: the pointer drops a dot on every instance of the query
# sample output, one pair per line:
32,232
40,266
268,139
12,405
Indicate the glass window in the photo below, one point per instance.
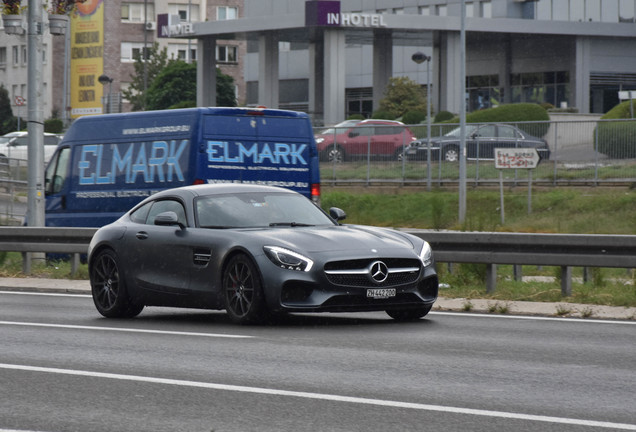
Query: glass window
425,10
3,57
134,12
592,10
577,10
226,13
226,54
470,9
626,10
487,131
507,132
486,9
162,206
16,55
57,171
442,10
141,214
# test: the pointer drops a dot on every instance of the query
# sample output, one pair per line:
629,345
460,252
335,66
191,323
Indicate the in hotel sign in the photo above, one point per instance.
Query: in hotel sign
325,13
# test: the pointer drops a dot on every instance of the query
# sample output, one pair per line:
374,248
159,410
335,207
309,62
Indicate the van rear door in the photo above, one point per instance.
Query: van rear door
261,148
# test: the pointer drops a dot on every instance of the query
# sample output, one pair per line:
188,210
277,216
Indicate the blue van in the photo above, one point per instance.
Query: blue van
106,164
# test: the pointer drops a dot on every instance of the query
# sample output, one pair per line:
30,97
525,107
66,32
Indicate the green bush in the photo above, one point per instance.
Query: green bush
355,117
617,139
414,117
443,116
54,125
383,115
514,114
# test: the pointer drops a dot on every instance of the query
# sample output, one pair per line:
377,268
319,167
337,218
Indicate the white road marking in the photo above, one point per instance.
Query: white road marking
327,397
535,318
125,330
36,293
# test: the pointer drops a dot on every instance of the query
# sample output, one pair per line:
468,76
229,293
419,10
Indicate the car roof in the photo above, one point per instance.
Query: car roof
222,188
380,122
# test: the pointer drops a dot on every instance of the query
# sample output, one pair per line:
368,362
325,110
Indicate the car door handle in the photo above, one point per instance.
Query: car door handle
142,235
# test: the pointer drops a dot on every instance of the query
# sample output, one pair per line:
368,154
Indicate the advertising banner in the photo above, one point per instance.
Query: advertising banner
87,58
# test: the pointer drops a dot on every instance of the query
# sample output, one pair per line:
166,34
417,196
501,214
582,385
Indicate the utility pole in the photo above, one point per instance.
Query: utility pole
35,124
462,117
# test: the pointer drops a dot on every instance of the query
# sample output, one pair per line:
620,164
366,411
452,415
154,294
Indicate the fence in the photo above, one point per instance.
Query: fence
583,152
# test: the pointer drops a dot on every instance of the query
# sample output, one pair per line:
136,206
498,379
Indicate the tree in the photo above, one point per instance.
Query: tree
175,84
403,95
156,62
7,121
171,83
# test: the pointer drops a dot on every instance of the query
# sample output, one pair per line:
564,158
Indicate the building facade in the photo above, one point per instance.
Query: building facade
129,28
334,58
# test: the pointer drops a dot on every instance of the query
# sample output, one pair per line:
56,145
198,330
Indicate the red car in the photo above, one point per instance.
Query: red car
368,138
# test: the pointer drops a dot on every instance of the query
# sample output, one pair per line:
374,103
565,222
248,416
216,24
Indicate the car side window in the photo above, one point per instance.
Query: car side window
487,131
507,132
141,214
162,206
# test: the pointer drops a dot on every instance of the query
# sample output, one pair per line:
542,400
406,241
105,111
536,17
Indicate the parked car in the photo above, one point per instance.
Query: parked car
367,138
254,251
481,141
14,145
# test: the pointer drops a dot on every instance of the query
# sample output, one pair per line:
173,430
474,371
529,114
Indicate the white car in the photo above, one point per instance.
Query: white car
14,145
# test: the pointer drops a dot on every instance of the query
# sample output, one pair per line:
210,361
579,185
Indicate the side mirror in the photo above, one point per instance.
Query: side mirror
337,214
168,218
353,134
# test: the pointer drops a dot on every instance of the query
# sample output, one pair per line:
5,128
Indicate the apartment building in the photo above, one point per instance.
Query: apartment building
121,31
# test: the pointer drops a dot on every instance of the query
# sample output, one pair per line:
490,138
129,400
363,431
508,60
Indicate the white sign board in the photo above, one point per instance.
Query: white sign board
516,158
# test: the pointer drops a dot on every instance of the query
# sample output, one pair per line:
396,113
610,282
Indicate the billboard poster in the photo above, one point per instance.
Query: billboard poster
87,58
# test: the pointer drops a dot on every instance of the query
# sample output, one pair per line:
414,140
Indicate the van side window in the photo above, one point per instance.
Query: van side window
159,207
57,172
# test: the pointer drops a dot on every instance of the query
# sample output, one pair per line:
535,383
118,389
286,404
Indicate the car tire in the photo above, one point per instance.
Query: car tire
335,154
243,291
404,315
451,154
399,155
108,287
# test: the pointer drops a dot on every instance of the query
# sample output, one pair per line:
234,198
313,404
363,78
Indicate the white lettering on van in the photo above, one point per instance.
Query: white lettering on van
258,153
159,163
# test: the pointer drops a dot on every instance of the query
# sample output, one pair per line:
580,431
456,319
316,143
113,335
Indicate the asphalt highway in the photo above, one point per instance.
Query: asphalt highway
65,368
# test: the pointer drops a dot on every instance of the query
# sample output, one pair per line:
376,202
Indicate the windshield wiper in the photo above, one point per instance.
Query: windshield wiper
217,226
291,224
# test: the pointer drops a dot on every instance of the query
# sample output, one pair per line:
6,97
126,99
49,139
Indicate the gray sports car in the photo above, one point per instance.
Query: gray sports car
255,251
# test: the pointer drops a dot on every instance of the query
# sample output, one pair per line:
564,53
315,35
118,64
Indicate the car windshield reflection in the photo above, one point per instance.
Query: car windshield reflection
249,210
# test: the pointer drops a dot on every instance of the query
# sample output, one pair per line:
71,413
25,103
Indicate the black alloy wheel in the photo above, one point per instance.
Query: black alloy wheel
244,302
109,289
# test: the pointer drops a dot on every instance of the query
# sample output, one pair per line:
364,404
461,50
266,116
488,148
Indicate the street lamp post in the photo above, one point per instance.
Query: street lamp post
103,80
418,58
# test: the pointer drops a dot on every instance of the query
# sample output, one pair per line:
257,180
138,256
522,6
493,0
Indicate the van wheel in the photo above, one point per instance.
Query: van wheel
335,154
244,299
109,289
451,154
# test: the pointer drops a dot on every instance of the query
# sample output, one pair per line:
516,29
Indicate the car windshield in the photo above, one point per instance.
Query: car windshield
258,209
470,129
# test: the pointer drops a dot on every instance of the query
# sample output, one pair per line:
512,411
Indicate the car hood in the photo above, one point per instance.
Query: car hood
343,238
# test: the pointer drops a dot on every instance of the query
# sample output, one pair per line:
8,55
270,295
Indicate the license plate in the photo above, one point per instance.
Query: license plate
381,293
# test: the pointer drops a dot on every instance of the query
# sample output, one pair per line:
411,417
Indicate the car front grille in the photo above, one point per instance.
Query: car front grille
357,273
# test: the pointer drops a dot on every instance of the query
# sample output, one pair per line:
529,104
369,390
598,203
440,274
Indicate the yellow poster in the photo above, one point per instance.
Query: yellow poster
87,58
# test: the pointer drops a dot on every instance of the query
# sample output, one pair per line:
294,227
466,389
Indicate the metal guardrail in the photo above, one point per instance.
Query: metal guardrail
32,240
491,248
562,250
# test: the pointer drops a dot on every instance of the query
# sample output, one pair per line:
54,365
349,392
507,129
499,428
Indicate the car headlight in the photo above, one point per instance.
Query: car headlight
290,260
426,254
319,140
